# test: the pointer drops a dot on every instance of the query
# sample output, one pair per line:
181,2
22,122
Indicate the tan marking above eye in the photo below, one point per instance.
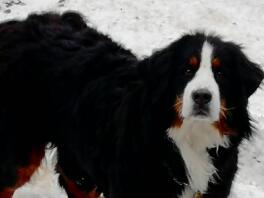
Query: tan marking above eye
216,62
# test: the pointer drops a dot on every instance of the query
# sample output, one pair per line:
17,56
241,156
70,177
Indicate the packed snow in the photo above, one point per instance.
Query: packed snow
146,25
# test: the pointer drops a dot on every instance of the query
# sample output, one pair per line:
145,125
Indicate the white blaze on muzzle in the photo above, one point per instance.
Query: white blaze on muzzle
203,80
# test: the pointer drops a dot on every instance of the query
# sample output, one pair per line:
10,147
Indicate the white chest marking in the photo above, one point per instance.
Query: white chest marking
193,138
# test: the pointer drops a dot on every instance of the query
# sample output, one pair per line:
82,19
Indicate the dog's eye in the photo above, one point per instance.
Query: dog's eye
219,74
188,72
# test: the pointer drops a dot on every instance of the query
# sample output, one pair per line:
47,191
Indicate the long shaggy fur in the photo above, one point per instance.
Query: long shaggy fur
106,111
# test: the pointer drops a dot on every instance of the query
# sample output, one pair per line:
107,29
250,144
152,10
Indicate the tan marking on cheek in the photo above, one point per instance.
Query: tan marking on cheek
221,125
216,63
177,122
194,62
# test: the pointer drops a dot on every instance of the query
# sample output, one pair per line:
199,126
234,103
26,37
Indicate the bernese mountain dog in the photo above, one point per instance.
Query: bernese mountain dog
166,126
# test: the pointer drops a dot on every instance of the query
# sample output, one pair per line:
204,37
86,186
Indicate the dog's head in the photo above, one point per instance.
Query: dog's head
206,78
199,88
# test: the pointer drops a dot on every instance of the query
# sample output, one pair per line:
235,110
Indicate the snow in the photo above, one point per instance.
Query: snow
146,25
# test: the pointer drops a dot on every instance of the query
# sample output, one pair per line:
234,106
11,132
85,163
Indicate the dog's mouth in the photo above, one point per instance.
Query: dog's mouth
200,111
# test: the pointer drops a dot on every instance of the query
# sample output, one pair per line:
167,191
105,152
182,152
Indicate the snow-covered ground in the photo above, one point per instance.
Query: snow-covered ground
142,26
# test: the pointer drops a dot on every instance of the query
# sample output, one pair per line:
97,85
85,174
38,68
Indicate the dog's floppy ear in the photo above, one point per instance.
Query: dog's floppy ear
251,73
158,68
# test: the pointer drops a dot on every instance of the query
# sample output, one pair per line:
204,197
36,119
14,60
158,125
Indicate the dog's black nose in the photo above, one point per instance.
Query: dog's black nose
201,96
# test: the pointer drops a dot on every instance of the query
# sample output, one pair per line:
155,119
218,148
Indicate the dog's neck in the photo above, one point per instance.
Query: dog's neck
193,138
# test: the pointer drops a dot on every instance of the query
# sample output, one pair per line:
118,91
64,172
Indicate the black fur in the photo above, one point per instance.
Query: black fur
106,111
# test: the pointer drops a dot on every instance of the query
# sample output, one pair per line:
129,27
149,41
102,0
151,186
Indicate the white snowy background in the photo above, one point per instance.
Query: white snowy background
145,25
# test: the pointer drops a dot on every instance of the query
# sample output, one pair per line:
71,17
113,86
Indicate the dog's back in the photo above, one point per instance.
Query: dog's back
46,61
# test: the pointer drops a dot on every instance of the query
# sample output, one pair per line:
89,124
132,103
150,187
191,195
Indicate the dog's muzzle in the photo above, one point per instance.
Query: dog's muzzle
201,100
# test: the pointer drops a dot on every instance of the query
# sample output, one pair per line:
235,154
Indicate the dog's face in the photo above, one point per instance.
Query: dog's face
208,77
201,95
215,77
